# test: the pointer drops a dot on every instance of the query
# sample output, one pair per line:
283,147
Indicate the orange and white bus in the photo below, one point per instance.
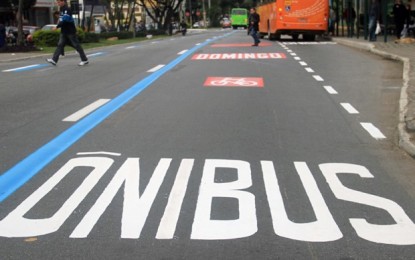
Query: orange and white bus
293,17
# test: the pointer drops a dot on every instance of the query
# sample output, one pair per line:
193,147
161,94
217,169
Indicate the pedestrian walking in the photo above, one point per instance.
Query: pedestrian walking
399,16
349,15
373,19
253,28
408,20
68,34
332,21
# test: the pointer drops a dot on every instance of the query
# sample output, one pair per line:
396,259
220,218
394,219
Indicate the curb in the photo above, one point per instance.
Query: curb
24,58
404,138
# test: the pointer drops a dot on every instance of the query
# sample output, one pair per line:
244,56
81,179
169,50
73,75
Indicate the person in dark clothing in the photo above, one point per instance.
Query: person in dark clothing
349,15
253,28
68,34
399,15
2,35
374,12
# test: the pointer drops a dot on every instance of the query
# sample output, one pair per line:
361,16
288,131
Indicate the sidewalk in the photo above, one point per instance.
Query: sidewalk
403,52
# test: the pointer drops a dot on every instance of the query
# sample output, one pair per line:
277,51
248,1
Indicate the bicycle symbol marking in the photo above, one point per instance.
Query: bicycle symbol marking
234,82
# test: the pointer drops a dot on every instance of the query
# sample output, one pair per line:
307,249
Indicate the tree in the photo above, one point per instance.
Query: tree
20,7
161,11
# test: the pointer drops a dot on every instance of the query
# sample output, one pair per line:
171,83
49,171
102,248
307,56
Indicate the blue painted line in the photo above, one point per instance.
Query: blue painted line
95,54
31,67
23,171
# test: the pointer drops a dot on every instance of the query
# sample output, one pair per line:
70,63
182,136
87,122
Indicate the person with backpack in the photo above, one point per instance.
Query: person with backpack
68,34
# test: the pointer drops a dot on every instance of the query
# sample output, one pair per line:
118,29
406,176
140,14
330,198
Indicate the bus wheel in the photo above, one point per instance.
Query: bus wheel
295,37
309,37
270,37
277,36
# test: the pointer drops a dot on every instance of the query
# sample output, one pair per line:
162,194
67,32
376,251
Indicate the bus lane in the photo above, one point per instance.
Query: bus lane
247,151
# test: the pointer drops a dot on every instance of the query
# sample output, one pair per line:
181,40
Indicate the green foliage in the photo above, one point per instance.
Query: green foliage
91,37
46,38
120,35
51,38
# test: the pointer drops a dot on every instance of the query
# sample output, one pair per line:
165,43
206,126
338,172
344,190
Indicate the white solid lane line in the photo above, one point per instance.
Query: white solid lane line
373,130
86,110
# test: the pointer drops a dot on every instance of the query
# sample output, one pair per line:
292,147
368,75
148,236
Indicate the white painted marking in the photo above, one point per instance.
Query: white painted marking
303,63
289,50
86,110
373,130
156,68
98,153
94,54
26,67
136,206
130,47
171,214
309,69
323,229
297,58
198,44
17,225
206,228
318,78
349,108
330,90
399,233
182,52
293,54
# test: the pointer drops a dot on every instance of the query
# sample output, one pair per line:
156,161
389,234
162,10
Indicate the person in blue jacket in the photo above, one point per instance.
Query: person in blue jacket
68,34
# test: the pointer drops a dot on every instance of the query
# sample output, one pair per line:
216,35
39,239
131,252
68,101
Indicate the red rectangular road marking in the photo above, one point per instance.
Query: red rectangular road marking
263,44
234,82
237,56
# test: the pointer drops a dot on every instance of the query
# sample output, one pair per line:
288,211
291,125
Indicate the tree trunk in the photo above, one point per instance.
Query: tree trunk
20,34
91,17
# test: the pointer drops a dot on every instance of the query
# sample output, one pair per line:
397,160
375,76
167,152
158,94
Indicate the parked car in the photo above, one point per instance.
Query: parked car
28,32
12,33
48,27
226,23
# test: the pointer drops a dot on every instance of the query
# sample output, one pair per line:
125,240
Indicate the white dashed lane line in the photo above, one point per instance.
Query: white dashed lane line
330,90
349,108
156,68
85,111
373,131
369,127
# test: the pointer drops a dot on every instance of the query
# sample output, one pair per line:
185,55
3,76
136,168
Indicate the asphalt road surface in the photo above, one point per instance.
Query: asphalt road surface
203,147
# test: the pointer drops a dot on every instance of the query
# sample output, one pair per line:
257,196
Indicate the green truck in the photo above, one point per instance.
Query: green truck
239,18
